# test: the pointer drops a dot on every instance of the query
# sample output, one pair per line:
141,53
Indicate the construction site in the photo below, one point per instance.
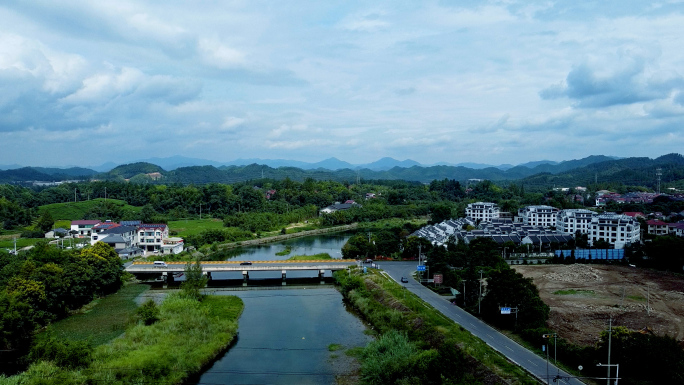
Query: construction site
584,297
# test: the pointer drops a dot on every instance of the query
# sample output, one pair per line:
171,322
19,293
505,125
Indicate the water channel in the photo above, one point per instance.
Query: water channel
285,334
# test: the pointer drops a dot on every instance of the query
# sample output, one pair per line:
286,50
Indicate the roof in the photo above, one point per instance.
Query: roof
119,230
656,222
113,239
85,222
152,226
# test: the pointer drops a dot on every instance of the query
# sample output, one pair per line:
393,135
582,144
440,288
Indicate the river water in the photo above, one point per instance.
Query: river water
285,333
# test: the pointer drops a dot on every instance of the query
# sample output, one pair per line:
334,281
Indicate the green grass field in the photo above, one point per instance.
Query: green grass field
574,292
187,227
102,320
21,242
71,211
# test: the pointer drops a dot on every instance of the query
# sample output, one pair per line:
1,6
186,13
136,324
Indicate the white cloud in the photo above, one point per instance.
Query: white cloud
219,55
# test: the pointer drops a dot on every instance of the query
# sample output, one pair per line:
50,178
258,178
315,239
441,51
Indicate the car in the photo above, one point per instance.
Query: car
404,279
246,263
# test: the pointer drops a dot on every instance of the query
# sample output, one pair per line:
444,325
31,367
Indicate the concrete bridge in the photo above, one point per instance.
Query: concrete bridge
167,269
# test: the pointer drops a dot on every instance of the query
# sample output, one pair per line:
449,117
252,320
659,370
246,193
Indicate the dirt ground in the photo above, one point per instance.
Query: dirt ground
601,291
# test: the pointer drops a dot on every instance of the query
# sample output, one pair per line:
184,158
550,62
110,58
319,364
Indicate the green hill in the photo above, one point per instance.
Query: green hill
100,208
127,171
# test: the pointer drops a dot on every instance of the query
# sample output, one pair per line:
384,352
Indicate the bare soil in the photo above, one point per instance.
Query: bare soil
602,291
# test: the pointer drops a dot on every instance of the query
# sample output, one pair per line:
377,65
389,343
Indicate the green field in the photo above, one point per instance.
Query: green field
194,226
21,242
315,257
103,319
574,292
72,211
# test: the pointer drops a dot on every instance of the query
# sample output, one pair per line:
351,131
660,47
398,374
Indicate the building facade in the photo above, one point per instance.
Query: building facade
616,229
482,211
540,215
571,221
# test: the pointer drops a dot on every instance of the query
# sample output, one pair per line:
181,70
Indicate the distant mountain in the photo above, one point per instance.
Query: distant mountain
126,171
104,167
389,163
73,171
25,174
330,164
176,161
537,163
9,166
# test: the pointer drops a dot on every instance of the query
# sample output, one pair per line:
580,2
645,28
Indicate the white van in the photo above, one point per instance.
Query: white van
160,264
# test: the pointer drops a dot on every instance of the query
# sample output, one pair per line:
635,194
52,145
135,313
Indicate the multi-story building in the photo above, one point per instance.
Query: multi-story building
83,228
151,236
539,215
619,230
573,220
658,227
482,211
125,235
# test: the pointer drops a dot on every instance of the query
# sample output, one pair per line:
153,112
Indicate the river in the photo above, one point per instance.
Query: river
287,335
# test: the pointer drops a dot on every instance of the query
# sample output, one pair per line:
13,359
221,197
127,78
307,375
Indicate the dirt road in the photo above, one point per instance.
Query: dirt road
583,297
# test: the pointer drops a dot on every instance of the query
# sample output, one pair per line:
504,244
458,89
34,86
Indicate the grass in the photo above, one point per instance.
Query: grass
574,292
71,211
400,303
288,250
103,319
195,226
188,336
21,242
334,347
636,298
391,222
315,257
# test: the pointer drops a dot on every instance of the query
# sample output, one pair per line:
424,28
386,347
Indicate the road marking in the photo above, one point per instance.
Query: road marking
507,347
532,363
490,336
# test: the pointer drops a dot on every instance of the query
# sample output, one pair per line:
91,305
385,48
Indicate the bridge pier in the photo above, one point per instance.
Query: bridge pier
245,277
165,277
321,276
208,275
284,273
169,278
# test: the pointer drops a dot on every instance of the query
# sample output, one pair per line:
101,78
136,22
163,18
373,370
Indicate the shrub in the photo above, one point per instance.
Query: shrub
148,312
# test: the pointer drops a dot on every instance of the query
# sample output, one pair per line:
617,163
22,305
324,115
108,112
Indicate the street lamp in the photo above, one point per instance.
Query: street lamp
555,360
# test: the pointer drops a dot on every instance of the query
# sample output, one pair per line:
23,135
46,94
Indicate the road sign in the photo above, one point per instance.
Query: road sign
438,278
421,268
505,310
454,292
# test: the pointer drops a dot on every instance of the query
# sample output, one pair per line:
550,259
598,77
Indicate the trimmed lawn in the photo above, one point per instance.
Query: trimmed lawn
103,319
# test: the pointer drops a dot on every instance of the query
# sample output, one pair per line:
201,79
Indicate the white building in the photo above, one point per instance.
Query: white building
539,215
173,245
570,221
83,228
151,236
618,230
482,211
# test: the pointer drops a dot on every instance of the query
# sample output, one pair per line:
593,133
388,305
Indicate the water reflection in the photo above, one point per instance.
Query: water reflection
328,243
284,338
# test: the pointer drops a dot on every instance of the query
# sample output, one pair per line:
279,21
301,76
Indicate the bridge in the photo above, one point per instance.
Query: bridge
208,267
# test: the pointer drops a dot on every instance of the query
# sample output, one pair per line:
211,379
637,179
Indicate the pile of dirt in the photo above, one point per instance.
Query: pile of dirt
575,274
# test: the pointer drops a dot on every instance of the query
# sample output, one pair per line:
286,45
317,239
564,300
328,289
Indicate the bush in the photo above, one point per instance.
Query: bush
63,353
148,312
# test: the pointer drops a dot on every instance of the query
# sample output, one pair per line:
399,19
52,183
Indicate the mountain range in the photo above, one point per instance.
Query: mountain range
636,171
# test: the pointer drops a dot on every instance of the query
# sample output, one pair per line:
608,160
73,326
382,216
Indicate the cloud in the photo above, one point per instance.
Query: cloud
633,83
219,55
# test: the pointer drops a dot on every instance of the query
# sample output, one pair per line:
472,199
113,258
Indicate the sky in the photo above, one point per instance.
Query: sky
88,82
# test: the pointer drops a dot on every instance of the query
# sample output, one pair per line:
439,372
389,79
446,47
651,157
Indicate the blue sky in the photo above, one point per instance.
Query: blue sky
86,82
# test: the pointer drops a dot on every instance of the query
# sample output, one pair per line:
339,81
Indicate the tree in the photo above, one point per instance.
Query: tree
45,222
194,280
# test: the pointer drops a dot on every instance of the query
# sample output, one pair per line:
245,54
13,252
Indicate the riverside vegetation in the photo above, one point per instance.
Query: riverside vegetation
168,343
416,344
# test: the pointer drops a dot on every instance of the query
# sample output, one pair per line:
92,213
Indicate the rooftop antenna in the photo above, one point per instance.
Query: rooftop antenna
659,173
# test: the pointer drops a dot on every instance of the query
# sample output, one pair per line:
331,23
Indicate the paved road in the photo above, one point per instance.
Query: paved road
509,348
224,266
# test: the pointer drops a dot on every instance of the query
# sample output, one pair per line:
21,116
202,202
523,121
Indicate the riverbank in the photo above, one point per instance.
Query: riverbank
188,336
435,343
284,237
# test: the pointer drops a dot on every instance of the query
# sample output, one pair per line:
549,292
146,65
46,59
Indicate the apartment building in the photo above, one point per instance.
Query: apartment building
619,230
540,215
570,221
482,211
151,236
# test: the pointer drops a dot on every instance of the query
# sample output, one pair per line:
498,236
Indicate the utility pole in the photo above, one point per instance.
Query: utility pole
659,173
479,299
74,195
201,209
464,295
610,331
648,301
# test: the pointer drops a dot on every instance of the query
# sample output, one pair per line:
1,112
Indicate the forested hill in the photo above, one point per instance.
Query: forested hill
628,171
44,174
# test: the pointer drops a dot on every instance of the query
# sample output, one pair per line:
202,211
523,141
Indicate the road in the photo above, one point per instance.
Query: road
504,345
